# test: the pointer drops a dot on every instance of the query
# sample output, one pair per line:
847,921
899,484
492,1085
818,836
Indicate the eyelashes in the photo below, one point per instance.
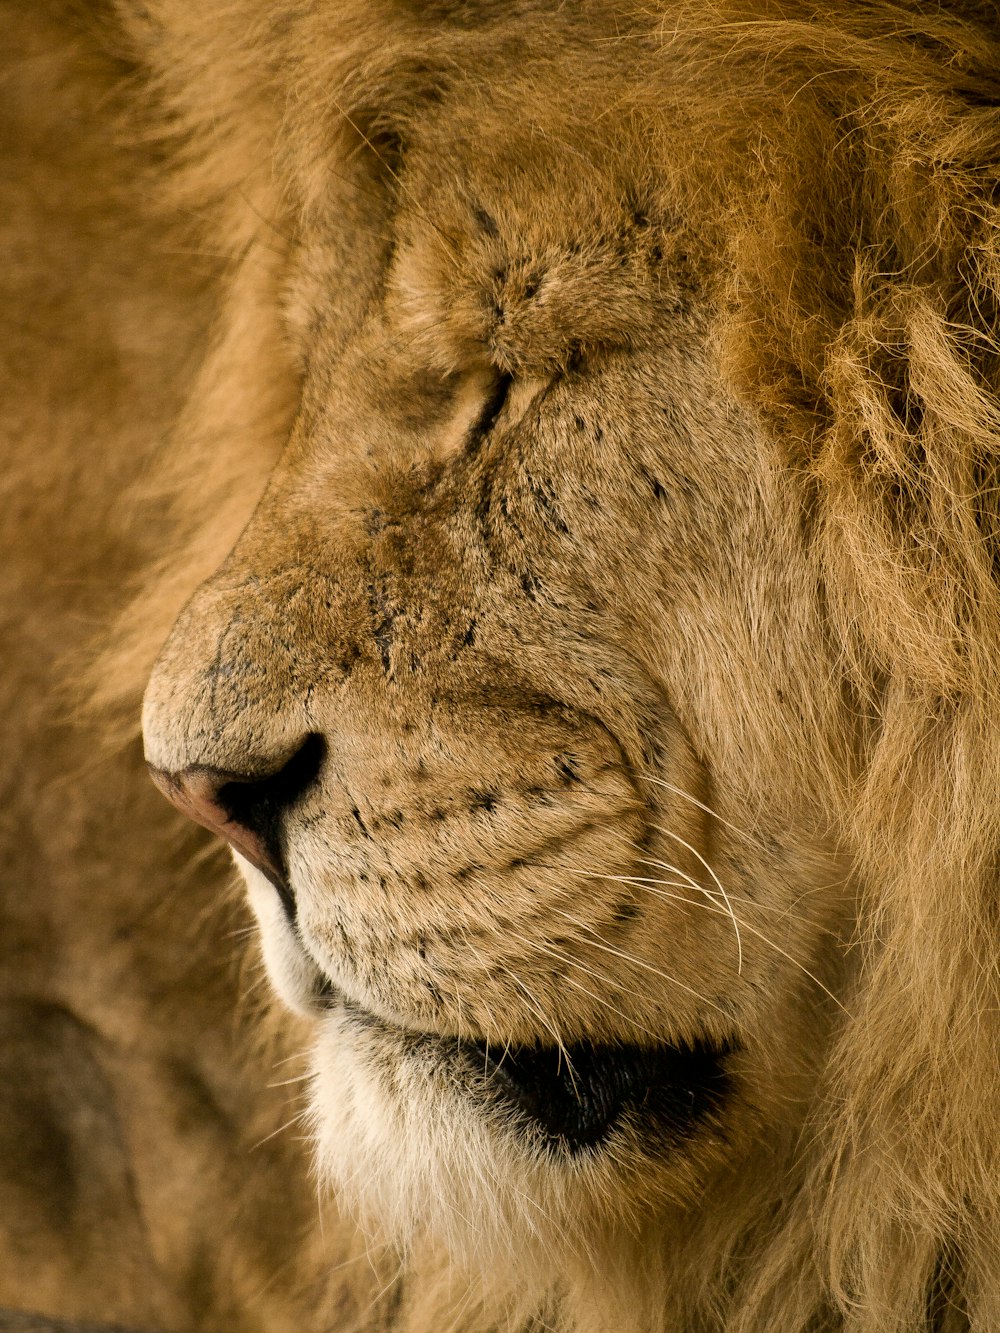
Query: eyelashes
496,400
481,400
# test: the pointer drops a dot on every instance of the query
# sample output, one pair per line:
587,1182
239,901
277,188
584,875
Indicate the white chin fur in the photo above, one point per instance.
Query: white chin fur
417,1157
293,974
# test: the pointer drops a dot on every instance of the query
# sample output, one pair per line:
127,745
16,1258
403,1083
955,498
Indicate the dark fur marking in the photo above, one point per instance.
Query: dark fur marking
545,498
576,1104
384,618
345,942
356,816
641,213
541,795
624,912
655,485
483,506
566,765
394,1305
492,408
509,518
946,1312
487,221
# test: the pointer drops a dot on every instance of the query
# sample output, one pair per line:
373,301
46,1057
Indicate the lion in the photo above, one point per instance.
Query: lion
535,467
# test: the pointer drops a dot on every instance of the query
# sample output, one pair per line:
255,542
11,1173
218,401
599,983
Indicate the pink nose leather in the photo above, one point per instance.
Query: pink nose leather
195,792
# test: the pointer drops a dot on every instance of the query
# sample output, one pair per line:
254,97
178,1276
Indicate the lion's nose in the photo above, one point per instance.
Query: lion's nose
246,809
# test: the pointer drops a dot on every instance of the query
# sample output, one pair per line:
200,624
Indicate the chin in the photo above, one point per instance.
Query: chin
481,1147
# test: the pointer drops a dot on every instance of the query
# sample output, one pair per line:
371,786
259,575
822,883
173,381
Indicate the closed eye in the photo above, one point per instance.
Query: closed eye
496,401
481,401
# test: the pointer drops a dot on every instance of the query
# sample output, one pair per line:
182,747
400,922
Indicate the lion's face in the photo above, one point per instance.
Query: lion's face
514,701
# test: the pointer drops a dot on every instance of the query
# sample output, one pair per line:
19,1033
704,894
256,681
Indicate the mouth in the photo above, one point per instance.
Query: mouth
576,1096
571,1099
566,1099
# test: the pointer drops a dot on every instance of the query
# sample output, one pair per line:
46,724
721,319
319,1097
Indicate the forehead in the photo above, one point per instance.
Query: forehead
530,233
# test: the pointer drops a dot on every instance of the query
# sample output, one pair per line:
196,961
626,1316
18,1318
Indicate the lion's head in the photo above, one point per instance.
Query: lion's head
611,645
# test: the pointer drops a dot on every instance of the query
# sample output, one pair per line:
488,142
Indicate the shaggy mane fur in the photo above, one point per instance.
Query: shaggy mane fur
833,174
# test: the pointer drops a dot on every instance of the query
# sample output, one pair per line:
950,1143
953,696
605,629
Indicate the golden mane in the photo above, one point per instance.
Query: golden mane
861,291
835,171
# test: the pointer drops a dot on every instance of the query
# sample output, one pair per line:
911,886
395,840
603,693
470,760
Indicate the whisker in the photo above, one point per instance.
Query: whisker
539,1012
448,244
650,888
299,1118
598,943
641,880
491,1020
393,1281
601,979
686,796
719,885
549,1027
744,898
287,1059
648,882
241,933
287,1082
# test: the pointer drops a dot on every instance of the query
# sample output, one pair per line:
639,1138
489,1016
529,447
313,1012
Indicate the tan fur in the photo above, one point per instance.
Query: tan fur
659,708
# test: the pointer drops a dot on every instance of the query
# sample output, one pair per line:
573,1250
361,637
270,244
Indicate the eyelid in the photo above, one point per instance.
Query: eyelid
485,397
495,402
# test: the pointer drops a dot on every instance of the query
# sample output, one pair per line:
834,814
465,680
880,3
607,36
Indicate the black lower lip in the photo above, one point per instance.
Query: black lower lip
571,1100
575,1098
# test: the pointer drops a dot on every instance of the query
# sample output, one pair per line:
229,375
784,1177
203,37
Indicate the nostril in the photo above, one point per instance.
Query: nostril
246,809
259,803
